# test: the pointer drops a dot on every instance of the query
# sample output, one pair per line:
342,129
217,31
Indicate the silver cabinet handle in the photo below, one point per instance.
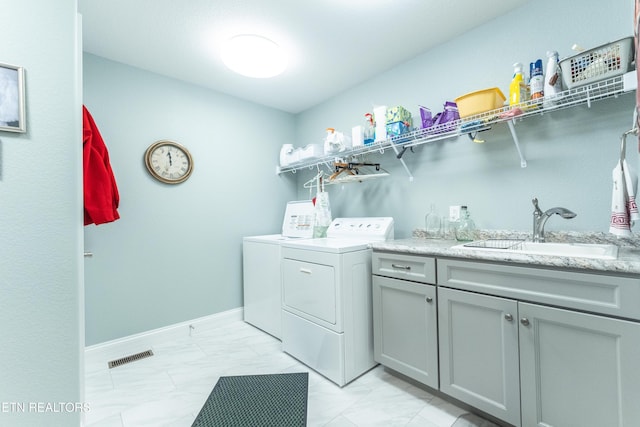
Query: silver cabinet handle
524,321
508,317
305,270
401,267
88,254
429,299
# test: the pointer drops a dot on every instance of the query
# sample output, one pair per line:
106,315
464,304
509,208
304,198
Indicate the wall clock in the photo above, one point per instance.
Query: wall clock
168,162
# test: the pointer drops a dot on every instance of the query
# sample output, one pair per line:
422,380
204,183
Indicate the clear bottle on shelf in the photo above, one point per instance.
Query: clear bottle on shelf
466,229
433,224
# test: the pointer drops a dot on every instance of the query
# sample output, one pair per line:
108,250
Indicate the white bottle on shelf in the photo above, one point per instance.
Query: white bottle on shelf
552,80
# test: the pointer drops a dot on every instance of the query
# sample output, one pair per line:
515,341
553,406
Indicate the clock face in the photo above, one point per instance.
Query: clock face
168,162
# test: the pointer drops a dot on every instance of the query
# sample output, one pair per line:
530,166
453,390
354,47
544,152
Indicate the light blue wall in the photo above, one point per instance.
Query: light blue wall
570,153
41,219
176,253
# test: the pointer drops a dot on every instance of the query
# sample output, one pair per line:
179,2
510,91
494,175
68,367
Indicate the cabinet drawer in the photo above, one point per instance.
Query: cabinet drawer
408,267
597,293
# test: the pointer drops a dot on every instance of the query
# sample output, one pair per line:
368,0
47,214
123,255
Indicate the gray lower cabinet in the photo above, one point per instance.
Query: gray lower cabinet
534,347
405,328
578,369
405,316
552,367
479,362
534,365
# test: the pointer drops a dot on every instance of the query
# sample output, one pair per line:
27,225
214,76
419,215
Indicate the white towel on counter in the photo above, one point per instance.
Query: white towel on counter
623,200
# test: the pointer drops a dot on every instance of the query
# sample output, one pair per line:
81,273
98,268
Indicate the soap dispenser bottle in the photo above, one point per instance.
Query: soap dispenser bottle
466,230
518,90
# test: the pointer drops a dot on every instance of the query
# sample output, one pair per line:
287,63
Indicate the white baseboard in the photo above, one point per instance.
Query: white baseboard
144,340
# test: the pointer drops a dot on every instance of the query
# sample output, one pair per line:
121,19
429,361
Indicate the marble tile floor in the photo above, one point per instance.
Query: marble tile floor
169,388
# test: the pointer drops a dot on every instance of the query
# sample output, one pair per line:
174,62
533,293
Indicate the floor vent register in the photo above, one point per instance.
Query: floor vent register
129,359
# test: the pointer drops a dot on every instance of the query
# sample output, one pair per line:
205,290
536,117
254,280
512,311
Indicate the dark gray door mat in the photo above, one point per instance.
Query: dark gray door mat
273,400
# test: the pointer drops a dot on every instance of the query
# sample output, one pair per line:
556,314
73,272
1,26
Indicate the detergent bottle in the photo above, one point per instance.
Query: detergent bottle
536,83
518,90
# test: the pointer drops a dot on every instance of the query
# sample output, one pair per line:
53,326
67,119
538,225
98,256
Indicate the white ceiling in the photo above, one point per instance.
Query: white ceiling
333,44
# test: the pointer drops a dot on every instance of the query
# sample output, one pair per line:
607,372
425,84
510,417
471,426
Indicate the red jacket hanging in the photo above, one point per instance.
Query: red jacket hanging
101,197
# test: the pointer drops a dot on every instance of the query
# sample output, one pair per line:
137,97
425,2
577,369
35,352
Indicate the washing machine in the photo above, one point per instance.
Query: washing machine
261,258
327,298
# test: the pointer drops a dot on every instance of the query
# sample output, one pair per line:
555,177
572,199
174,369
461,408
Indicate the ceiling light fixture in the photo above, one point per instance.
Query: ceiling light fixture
254,56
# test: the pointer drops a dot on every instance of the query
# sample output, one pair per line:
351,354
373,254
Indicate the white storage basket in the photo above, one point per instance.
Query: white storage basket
603,62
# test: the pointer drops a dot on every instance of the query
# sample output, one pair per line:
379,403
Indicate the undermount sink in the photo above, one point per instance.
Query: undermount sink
578,250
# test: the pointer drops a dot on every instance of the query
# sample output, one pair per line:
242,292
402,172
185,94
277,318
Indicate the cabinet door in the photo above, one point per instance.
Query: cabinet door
479,352
578,369
405,328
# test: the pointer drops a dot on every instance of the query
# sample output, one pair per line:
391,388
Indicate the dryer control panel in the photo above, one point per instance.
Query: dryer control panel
373,229
298,219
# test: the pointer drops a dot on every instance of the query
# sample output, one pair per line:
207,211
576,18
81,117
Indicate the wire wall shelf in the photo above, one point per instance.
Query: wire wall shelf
583,95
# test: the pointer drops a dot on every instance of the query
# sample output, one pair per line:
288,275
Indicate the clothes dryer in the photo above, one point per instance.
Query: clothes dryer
261,257
327,298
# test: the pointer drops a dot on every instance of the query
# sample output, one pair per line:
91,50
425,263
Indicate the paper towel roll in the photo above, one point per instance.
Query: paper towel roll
380,116
357,136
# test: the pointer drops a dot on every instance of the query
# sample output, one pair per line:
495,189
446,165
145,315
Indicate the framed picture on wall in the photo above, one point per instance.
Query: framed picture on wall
12,117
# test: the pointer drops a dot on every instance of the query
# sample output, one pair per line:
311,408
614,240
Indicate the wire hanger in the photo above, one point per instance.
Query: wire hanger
316,182
355,172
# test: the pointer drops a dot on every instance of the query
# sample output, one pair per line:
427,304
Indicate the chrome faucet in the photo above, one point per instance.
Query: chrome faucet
540,219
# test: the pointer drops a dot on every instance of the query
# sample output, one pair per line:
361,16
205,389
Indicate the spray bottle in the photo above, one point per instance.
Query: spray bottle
368,130
518,90
552,79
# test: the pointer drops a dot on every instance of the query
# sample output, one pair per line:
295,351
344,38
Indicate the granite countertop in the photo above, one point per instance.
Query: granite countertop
628,260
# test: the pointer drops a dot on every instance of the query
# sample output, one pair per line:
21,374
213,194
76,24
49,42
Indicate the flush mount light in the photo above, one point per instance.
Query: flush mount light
254,56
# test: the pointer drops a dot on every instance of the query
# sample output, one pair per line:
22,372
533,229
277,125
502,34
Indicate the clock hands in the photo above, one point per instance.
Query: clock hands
169,155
